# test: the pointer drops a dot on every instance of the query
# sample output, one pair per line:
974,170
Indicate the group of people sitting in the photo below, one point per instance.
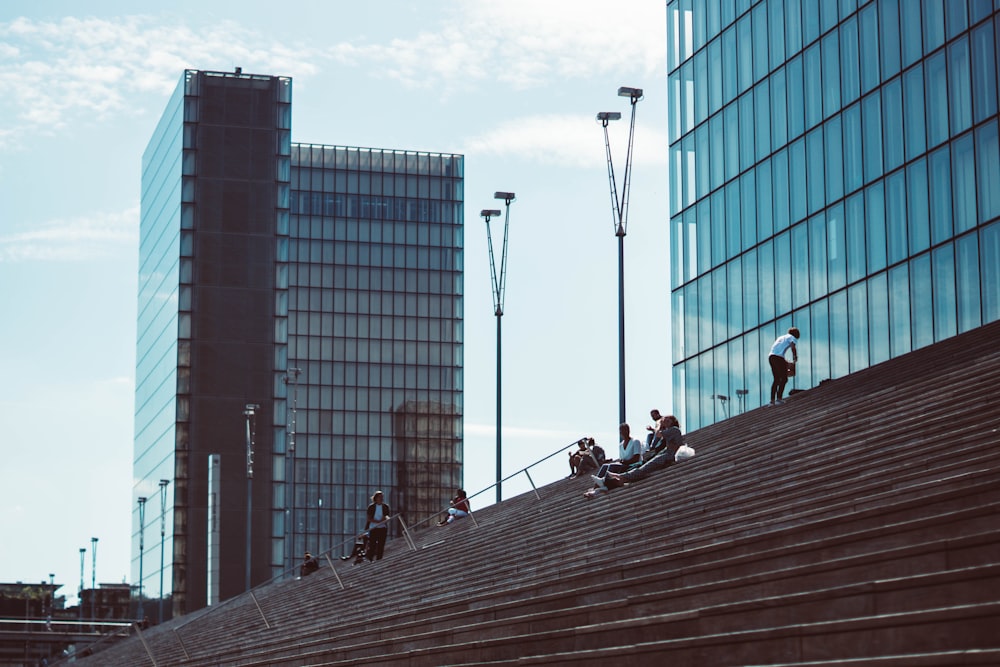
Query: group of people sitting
635,460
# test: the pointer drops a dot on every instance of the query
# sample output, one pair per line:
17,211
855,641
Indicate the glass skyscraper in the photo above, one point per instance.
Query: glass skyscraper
299,340
834,166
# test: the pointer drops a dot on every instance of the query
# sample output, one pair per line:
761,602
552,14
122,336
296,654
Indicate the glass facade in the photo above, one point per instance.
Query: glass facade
321,285
375,328
834,166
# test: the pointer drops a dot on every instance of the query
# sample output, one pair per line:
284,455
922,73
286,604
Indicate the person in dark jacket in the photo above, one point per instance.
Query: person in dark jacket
309,565
377,526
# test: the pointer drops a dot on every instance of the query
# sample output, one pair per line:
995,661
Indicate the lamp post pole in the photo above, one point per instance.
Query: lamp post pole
250,411
163,533
499,286
83,552
142,548
619,208
93,578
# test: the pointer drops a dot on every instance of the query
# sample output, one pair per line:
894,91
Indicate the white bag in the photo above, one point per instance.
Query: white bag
683,453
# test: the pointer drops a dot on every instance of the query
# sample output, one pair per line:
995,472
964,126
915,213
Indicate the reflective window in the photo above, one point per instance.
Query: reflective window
748,208
940,194
920,288
799,260
750,290
839,338
817,180
831,72
797,179
793,26
871,118
967,276
959,86
812,72
810,21
963,174
776,32
765,276
734,297
933,11
899,310
913,112
796,99
988,171
911,29
917,208
745,139
855,229
779,167
878,319
760,56
819,340
836,247
834,159
989,261
779,115
892,126
944,292
850,63
936,90
895,215
886,27
744,45
875,219
857,324
783,274
734,226
853,164
765,210
762,113
817,246
956,19
984,72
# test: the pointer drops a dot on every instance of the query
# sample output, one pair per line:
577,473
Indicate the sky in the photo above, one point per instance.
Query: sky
514,85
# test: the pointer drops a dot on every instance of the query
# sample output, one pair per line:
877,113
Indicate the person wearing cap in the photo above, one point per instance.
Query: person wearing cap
309,565
377,525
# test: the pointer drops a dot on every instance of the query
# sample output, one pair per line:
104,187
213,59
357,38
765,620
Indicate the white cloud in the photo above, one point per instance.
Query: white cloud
572,140
74,239
525,44
57,71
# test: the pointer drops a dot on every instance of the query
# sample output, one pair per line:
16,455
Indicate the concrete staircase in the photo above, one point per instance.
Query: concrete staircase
857,524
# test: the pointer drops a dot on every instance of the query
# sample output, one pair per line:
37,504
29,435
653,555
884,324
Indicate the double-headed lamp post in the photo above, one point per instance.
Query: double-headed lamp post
619,208
499,287
142,548
250,412
163,534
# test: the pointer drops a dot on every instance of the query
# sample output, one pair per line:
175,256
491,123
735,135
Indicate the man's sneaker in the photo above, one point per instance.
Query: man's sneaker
779,402
599,481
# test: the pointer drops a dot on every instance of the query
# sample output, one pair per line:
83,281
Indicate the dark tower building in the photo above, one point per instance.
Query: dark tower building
293,300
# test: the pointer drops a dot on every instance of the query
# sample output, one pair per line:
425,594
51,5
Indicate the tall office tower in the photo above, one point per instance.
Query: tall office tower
299,339
835,166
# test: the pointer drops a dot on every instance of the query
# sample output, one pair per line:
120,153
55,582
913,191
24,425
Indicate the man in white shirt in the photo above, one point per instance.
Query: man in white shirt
629,452
779,363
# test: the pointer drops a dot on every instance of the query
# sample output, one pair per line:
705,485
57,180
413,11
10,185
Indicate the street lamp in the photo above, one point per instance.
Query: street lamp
163,532
83,552
499,285
290,467
619,209
93,578
250,412
142,547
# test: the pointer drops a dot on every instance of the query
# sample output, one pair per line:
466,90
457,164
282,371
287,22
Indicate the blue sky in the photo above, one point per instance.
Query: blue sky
514,85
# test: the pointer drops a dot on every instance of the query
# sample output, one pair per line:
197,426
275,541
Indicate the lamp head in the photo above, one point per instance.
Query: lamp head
506,196
605,116
490,213
634,93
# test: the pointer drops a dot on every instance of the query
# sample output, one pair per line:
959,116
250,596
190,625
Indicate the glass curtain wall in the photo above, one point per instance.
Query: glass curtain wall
833,166
374,304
